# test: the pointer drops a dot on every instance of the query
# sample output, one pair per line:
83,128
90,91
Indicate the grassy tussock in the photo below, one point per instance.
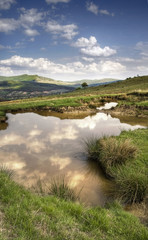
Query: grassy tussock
60,188
5,170
130,186
110,151
57,187
114,152
125,162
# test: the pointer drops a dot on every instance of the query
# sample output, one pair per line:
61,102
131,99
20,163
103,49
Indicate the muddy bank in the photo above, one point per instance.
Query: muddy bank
128,110
3,119
47,111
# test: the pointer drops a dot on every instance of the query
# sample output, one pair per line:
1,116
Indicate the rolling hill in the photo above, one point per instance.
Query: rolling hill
27,86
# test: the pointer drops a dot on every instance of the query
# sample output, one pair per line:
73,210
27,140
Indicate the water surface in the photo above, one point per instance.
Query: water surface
44,147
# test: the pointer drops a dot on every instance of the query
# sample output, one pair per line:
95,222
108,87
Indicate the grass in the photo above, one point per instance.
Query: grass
124,159
29,216
57,187
60,188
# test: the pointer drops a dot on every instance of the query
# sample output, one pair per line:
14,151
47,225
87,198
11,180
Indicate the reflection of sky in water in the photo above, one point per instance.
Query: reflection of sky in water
37,146
108,106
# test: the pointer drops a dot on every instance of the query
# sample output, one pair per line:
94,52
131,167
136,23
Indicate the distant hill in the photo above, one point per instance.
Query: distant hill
26,86
41,79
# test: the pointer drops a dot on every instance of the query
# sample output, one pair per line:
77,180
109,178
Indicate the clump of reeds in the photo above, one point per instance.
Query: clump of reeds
92,148
110,152
114,155
60,188
130,187
116,152
9,172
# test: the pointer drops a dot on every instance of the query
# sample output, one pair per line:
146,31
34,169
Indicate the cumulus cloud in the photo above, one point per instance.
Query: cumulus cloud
27,19
74,69
97,51
30,17
6,4
143,48
65,31
112,66
57,1
91,48
105,12
31,32
85,42
92,7
8,24
88,59
5,71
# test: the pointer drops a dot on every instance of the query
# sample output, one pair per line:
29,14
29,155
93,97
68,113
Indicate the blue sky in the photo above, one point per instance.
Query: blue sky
74,39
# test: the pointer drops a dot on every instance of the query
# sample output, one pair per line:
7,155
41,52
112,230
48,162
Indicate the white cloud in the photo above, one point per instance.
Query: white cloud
85,42
5,71
27,19
74,70
88,59
97,51
8,24
57,1
6,4
91,48
4,47
65,31
143,48
30,17
111,66
31,32
92,7
32,39
105,12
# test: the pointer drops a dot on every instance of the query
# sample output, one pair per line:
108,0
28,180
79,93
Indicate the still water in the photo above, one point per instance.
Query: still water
44,147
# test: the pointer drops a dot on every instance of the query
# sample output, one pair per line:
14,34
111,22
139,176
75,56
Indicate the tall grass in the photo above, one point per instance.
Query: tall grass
116,156
110,151
57,187
5,170
114,152
60,188
130,186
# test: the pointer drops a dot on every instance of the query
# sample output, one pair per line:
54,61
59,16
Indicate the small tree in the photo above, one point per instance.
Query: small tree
84,85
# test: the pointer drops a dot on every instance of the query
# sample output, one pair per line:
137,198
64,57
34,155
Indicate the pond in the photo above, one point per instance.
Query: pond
38,146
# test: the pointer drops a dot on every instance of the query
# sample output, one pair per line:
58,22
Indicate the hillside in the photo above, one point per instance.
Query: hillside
126,86
26,86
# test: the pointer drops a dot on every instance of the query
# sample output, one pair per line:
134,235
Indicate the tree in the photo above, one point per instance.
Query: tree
84,85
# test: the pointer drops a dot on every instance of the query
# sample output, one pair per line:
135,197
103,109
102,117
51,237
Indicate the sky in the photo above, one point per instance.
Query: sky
74,39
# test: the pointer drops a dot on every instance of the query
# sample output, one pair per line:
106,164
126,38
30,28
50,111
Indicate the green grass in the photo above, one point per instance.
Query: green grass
124,159
28,216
